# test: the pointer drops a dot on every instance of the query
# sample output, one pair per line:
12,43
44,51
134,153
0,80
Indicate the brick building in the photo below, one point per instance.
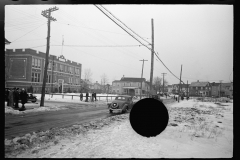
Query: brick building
25,69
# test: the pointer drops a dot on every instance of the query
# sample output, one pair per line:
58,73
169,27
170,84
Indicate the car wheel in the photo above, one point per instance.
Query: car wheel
126,110
34,100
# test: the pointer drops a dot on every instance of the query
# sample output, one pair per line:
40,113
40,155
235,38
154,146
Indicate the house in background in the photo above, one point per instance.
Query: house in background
226,89
200,89
184,88
169,88
130,86
215,89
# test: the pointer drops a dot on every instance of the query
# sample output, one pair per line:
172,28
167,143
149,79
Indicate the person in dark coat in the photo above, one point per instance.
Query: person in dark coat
95,96
10,97
92,97
16,98
81,96
87,97
23,97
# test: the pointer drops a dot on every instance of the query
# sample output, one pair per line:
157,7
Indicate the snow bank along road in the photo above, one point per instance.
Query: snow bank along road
69,114
195,130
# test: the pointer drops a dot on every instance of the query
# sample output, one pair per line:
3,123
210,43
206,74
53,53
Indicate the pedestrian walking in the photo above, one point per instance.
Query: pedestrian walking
81,96
87,97
95,96
10,97
23,97
16,98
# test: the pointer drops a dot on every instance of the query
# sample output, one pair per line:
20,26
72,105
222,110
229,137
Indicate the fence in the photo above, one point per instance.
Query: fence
98,97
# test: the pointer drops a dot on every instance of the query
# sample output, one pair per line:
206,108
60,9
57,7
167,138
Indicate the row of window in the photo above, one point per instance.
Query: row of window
70,80
201,88
135,84
36,63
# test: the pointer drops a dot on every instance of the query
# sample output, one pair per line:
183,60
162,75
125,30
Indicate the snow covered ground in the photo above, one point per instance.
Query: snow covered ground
195,130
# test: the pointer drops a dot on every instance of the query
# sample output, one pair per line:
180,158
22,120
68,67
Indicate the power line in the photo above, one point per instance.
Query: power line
139,42
120,26
125,25
28,32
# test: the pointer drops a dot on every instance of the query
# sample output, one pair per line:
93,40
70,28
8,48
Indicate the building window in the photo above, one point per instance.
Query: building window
65,68
35,77
39,63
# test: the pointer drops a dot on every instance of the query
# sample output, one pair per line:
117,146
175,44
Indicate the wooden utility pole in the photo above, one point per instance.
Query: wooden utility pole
47,14
179,84
163,80
141,78
187,88
152,58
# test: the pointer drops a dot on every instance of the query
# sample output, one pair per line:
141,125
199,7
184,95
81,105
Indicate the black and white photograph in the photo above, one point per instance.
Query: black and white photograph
118,80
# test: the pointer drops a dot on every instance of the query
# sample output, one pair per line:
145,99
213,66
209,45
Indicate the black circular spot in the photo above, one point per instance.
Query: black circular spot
149,117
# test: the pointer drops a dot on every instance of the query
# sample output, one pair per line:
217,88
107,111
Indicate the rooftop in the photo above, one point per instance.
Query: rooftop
131,79
199,84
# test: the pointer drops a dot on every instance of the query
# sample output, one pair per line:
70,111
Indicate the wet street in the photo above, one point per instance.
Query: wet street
19,125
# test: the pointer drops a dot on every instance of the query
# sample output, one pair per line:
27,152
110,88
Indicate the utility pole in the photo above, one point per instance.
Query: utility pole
47,14
163,80
187,88
220,88
179,84
152,58
141,78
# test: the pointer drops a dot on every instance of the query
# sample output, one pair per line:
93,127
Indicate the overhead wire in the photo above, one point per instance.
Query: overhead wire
28,32
125,25
138,41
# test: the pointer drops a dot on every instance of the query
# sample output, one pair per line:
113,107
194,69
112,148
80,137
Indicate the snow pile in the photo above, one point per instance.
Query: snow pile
195,129
17,145
10,110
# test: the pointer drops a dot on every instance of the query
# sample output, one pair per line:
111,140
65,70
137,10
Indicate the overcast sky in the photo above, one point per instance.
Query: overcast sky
199,37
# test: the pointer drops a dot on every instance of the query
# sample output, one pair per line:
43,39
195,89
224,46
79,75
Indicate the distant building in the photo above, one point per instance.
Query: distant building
200,89
130,86
226,89
25,69
184,88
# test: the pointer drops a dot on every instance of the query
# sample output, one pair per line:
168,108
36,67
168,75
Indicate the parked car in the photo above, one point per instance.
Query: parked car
157,97
31,98
121,104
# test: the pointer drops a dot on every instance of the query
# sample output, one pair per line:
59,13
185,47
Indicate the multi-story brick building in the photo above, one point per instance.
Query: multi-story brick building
25,68
130,86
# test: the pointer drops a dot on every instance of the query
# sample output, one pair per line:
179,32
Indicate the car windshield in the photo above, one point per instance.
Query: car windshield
121,98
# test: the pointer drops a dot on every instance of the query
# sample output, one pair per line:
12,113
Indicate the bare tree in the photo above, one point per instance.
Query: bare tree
104,81
88,74
157,82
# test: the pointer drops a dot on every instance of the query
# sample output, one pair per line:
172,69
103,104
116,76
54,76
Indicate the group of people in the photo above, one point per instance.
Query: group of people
182,97
93,97
14,95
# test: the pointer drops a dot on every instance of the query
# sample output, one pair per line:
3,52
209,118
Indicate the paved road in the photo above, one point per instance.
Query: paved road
19,125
